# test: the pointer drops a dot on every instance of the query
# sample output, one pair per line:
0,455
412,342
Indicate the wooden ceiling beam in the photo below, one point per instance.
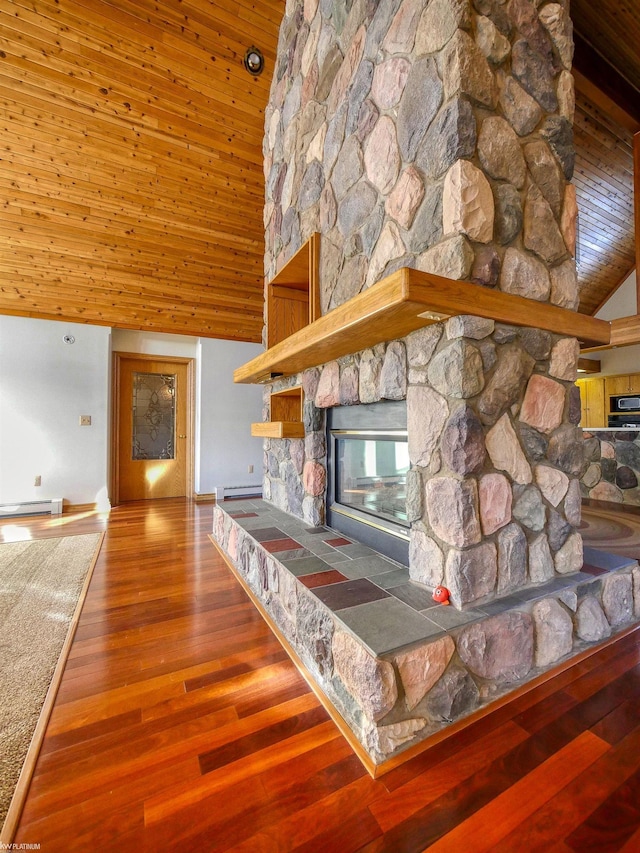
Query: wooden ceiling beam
605,86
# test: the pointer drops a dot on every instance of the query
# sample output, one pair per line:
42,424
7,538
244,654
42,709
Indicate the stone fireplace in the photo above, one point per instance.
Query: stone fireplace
437,135
434,135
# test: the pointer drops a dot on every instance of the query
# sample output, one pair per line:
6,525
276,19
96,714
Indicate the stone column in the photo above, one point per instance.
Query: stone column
437,134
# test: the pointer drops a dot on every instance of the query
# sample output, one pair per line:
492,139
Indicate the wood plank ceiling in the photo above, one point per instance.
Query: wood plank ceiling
131,161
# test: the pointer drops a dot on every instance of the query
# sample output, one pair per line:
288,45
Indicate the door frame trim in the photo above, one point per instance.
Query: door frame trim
116,366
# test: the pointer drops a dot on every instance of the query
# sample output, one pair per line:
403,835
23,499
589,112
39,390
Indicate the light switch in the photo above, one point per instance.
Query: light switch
85,420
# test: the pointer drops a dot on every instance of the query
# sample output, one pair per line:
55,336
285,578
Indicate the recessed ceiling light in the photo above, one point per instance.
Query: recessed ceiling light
254,61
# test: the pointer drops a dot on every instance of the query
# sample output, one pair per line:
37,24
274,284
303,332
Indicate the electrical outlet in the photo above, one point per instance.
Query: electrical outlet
37,480
85,420
250,469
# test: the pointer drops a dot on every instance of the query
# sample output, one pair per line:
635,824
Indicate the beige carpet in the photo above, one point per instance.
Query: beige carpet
41,582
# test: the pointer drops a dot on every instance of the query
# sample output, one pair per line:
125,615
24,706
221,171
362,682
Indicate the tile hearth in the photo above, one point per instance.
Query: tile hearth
364,588
397,667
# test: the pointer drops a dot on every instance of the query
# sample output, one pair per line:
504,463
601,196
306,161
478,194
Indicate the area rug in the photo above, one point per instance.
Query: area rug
42,587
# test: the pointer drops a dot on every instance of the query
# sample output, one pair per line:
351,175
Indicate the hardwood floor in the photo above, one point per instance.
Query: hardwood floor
182,725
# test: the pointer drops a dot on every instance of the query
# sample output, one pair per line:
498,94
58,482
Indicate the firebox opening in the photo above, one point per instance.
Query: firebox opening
368,460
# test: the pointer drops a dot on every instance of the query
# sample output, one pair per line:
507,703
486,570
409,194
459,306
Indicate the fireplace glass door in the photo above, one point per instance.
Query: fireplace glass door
371,473
367,467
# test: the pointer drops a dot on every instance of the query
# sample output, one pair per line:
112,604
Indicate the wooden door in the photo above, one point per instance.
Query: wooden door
152,446
592,402
595,402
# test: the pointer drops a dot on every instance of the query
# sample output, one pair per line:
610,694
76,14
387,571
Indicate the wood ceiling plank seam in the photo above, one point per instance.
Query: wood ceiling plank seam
76,30
182,221
592,228
598,124
616,149
113,199
615,158
221,293
617,167
230,318
101,174
593,192
206,100
141,270
39,238
18,79
228,24
245,14
78,144
251,298
245,123
224,39
70,234
249,319
46,290
190,130
204,330
188,146
587,165
600,208
171,235
585,106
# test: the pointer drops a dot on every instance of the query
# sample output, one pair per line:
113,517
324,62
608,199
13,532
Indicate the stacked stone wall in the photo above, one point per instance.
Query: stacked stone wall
612,467
493,493
434,134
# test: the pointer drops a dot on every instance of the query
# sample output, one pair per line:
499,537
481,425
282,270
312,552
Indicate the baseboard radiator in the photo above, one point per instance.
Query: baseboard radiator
48,507
222,492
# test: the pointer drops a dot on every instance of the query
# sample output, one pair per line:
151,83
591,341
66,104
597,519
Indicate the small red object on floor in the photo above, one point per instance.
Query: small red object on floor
441,595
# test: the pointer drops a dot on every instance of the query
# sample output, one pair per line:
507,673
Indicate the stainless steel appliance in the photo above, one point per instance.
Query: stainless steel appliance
627,421
625,403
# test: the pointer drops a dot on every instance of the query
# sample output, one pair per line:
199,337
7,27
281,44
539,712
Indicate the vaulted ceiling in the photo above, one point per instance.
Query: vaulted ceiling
131,161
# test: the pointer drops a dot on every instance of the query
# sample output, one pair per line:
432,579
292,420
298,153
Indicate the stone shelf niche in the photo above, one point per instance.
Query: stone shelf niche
394,690
286,416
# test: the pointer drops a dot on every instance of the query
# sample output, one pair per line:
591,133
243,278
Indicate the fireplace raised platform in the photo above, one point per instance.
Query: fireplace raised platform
391,665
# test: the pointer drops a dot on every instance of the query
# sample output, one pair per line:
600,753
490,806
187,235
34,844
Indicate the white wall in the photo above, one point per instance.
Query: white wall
226,414
45,385
621,304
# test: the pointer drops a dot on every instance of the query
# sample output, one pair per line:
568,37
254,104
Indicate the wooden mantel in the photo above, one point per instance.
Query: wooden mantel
401,303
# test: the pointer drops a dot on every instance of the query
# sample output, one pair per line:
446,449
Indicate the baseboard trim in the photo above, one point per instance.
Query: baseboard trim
66,507
204,498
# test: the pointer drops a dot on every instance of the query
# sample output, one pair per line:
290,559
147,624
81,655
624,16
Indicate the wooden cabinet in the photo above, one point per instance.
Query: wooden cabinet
625,384
292,298
592,398
286,416
615,386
